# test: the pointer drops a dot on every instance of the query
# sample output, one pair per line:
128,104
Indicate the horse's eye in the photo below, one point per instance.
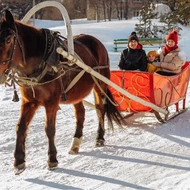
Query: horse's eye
8,41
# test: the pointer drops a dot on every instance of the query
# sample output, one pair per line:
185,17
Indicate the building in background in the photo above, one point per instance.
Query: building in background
75,8
113,9
90,9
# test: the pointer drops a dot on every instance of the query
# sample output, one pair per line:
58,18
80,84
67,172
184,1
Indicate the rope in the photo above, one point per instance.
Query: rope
31,81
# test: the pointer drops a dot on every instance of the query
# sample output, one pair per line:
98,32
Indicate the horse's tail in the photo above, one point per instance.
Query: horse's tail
112,112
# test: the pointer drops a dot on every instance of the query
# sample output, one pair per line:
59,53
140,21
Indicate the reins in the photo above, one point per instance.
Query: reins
10,61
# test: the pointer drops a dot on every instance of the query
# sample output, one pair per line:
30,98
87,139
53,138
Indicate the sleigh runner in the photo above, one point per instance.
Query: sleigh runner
163,91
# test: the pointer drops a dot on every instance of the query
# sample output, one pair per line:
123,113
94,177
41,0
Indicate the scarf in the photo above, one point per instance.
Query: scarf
168,49
139,46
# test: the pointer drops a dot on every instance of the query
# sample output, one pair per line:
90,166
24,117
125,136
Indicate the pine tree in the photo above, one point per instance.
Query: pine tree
180,11
144,28
184,13
170,23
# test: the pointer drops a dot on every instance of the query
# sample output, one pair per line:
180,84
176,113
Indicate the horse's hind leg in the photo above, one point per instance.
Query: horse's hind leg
80,115
51,111
27,112
100,110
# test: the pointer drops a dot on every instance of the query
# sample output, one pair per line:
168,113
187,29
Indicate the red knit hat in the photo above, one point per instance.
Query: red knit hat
173,36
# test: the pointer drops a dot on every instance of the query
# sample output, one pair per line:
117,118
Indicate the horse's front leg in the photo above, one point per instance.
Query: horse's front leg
51,112
80,115
27,112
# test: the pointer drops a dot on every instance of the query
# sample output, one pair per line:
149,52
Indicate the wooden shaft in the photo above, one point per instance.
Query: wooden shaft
108,82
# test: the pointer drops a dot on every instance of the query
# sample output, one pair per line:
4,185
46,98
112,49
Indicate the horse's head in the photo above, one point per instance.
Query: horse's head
7,44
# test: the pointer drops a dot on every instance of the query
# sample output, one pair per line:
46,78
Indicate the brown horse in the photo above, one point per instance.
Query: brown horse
28,58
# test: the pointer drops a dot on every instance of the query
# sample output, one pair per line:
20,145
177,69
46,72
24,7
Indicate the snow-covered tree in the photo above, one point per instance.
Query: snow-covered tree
170,23
144,28
180,11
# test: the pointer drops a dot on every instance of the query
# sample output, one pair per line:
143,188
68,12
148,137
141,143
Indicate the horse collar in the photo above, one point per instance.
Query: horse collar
51,57
48,40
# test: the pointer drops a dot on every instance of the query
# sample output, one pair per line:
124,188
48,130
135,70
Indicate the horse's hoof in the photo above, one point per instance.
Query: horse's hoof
19,169
74,150
75,145
100,143
52,165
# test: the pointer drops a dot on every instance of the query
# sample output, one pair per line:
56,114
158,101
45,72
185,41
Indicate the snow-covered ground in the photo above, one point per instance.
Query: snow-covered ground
143,155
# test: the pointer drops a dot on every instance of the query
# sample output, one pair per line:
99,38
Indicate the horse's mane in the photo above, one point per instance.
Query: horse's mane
32,37
25,26
25,29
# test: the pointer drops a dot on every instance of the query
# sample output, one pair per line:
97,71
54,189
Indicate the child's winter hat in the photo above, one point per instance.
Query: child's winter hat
173,36
152,52
133,36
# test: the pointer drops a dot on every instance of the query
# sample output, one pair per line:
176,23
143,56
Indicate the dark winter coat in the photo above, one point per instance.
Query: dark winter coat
133,59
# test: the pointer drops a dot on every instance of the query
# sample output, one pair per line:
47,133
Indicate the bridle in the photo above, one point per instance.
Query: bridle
10,77
16,40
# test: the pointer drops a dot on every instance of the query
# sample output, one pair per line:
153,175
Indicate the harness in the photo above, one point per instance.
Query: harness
50,64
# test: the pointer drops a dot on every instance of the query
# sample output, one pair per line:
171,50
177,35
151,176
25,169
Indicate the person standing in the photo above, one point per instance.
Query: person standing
133,57
171,57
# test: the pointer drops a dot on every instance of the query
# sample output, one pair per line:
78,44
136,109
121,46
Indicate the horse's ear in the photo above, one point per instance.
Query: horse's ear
9,17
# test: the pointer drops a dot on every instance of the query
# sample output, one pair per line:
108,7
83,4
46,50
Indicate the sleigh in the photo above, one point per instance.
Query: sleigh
136,91
162,91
